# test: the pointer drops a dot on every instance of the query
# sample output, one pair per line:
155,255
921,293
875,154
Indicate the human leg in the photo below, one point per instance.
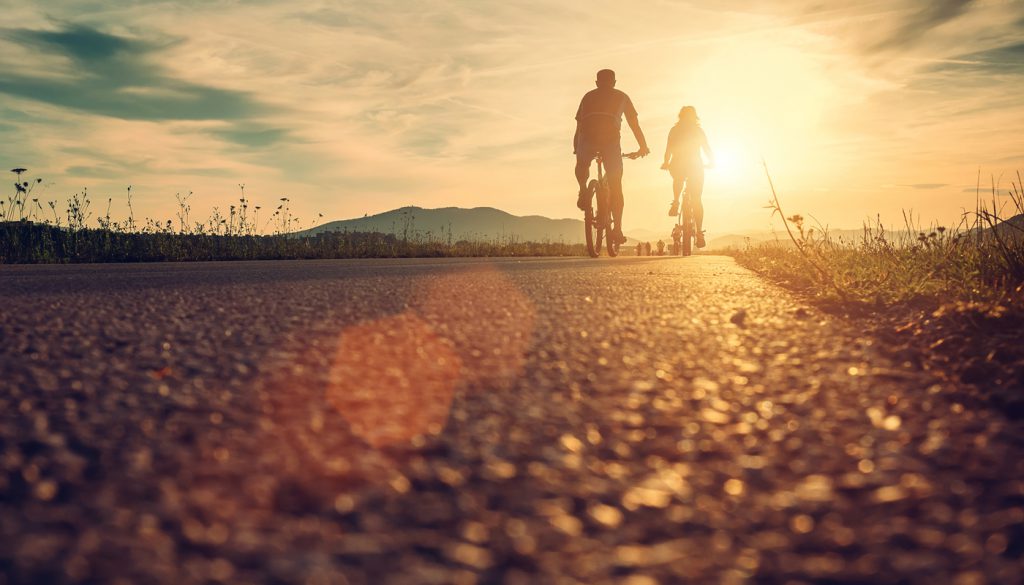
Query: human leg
695,189
678,180
582,176
612,157
617,202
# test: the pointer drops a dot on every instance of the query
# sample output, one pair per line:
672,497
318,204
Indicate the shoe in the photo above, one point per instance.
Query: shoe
583,201
674,210
700,240
619,238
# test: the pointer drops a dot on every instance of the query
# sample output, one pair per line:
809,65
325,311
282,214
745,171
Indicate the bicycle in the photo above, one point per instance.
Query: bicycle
597,225
685,223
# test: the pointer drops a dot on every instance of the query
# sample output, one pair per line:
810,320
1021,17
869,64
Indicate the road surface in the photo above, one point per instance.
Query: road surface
472,421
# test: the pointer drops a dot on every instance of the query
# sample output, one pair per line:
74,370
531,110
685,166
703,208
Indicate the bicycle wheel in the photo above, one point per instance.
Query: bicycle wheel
613,242
604,213
687,230
590,221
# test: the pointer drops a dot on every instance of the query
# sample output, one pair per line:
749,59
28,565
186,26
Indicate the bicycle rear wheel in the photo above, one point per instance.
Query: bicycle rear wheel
590,223
613,242
687,231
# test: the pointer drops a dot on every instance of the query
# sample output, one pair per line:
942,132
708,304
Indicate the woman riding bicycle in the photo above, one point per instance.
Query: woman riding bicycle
683,161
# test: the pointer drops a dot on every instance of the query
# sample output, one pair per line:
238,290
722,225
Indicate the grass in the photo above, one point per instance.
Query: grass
978,261
33,233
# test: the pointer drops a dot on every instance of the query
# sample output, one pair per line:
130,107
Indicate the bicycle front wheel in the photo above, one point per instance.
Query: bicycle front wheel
613,242
687,233
590,223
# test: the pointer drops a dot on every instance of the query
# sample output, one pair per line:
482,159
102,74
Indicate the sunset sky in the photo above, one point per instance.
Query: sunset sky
348,108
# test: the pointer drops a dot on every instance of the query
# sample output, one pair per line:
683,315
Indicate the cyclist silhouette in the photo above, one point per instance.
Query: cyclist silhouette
683,161
598,122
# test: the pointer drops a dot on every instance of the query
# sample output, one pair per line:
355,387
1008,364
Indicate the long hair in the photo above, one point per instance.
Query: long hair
688,116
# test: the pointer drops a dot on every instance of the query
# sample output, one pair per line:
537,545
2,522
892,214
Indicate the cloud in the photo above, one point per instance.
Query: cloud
926,186
352,107
927,16
252,136
1001,60
119,77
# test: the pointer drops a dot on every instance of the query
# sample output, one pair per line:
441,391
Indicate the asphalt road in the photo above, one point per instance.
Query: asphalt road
442,421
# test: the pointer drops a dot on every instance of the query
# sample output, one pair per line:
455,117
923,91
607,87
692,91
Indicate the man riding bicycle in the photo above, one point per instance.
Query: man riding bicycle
598,121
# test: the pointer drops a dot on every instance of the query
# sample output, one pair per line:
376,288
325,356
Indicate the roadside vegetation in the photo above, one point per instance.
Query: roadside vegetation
37,231
949,299
980,260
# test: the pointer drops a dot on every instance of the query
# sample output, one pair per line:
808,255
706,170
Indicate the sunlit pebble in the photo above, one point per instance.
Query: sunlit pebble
887,494
571,443
891,422
734,487
605,515
450,476
713,416
644,496
634,555
752,461
45,490
916,483
801,524
475,532
639,580
970,578
815,488
469,555
344,503
866,465
996,544
515,528
217,533
500,469
641,386
400,484
570,525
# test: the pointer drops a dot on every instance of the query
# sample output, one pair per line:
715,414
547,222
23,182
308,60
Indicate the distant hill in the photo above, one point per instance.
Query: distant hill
1009,229
478,223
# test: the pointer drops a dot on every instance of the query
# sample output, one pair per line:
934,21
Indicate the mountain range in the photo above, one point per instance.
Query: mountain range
488,223
483,223
478,223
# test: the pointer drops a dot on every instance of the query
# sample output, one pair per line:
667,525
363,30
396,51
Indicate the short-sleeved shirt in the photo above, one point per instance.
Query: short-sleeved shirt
684,143
600,115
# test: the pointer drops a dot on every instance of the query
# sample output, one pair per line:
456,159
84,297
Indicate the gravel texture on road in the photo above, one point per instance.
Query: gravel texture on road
438,421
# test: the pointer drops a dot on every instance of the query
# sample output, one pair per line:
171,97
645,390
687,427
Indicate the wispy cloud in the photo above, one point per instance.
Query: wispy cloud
119,77
353,107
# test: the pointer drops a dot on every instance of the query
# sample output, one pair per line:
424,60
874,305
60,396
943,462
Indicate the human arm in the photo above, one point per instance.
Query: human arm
634,124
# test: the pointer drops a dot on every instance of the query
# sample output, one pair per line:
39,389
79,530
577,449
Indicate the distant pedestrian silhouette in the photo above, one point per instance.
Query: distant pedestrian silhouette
683,160
598,122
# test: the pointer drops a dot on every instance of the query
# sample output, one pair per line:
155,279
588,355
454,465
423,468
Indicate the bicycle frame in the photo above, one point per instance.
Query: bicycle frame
598,224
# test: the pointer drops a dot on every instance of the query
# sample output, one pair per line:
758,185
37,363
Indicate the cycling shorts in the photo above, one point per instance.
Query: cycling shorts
611,154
